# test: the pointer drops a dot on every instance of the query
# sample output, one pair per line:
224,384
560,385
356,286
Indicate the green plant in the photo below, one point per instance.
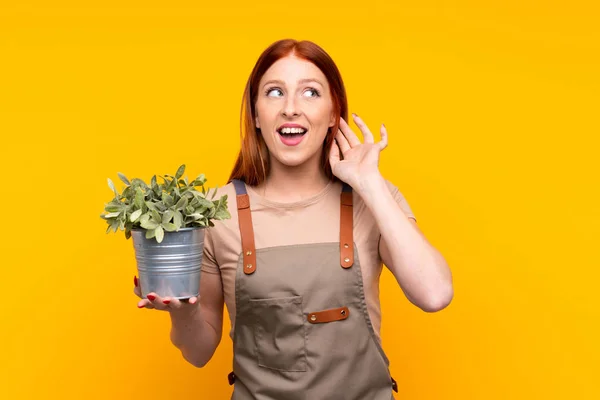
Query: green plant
161,207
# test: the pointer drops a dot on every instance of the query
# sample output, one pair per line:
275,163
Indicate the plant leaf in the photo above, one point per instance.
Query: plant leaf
149,224
215,192
181,204
115,225
127,193
160,233
222,214
167,199
207,203
150,233
177,219
200,180
112,214
123,178
155,216
139,197
144,218
112,186
169,227
167,216
139,182
112,208
180,171
202,209
135,215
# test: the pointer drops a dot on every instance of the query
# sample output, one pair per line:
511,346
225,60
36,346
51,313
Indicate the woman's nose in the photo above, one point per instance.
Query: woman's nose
290,107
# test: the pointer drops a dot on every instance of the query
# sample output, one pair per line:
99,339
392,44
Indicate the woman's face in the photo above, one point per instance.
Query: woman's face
294,91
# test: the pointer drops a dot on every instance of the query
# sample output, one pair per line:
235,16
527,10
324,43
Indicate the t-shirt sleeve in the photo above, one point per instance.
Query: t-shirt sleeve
400,199
209,262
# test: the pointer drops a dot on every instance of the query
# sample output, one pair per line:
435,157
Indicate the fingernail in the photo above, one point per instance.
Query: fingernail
151,297
383,125
166,301
142,306
135,280
354,115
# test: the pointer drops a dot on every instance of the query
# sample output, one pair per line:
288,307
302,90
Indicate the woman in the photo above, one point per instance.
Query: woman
298,264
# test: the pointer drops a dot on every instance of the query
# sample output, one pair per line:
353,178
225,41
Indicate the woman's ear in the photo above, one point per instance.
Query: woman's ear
256,123
332,120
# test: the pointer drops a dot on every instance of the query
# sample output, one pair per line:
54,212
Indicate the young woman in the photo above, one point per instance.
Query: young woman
298,264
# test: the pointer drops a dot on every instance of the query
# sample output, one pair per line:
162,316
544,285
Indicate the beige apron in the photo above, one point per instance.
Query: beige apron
302,331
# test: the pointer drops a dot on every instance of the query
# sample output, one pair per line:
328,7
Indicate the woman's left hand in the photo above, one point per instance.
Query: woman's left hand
357,161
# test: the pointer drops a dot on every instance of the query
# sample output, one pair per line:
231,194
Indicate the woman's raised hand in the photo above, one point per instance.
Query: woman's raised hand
152,300
352,160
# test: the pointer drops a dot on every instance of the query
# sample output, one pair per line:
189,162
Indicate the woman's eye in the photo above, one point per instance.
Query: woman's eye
272,90
315,91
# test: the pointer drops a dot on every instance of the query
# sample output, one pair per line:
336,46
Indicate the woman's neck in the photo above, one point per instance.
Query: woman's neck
289,184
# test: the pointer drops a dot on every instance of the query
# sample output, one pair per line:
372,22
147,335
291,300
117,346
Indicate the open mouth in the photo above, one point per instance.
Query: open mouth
291,136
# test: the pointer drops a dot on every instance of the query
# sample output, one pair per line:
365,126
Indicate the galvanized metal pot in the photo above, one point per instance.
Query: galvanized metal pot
170,268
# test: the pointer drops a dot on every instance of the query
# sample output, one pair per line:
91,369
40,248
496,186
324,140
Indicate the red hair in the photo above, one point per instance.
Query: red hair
252,165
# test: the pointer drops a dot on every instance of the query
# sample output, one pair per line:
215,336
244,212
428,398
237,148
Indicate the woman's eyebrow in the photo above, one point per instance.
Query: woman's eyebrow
300,81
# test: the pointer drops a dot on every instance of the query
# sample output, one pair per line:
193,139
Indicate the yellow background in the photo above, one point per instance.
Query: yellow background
492,114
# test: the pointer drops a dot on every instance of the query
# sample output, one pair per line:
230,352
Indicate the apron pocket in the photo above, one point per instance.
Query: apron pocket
280,333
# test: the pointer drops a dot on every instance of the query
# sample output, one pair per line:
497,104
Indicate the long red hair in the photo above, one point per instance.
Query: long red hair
252,165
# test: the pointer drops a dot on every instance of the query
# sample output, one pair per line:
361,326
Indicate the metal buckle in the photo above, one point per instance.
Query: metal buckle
231,378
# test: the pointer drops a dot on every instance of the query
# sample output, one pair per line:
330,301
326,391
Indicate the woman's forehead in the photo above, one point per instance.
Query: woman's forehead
293,71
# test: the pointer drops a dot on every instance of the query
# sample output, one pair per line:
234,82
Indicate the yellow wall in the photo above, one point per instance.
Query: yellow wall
492,112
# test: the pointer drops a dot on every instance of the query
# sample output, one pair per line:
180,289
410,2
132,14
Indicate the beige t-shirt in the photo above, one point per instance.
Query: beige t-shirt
311,220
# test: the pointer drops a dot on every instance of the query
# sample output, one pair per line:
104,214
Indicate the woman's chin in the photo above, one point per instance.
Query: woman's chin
292,160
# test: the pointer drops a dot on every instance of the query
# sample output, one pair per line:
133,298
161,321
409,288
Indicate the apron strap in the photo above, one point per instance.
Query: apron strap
346,227
246,230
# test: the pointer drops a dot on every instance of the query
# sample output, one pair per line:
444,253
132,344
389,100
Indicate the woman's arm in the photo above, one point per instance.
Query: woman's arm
196,330
419,268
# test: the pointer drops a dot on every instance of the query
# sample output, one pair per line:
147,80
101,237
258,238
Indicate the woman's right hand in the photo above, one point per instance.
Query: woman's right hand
153,301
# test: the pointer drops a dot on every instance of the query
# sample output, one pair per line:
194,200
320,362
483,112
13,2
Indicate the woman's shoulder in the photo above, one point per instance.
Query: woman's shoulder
361,208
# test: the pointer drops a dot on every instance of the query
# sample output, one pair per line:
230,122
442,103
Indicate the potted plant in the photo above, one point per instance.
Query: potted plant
167,222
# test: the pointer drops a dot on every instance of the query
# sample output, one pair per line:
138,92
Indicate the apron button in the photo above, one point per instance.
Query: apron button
346,259
346,245
343,312
249,266
248,253
313,317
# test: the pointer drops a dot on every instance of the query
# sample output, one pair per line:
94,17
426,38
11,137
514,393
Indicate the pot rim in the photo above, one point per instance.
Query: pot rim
189,228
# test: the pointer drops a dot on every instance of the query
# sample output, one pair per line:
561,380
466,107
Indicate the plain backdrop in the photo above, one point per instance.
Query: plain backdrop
492,114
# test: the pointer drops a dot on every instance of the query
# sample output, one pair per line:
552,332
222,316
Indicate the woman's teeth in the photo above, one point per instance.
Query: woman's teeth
292,131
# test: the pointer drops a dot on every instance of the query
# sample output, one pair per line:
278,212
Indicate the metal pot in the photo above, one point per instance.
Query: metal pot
170,268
